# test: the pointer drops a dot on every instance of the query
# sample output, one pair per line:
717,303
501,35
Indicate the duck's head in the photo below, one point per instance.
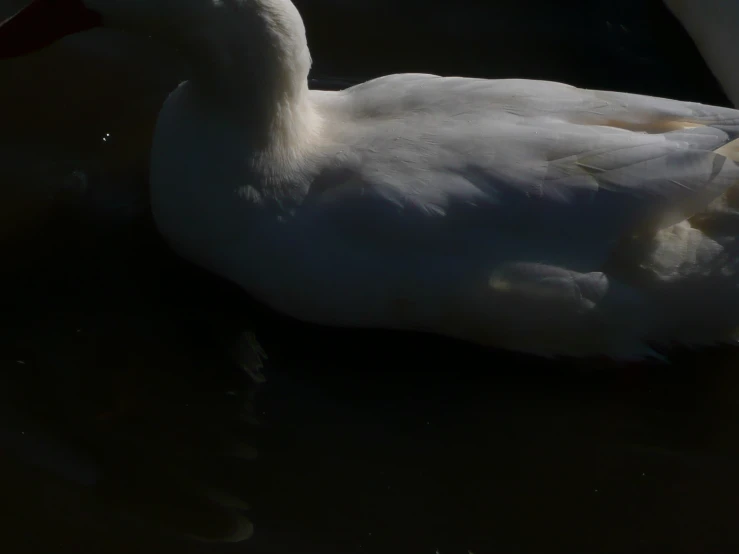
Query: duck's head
230,43
43,22
262,22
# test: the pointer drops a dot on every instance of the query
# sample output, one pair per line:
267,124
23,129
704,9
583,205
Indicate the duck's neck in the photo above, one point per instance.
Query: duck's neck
250,66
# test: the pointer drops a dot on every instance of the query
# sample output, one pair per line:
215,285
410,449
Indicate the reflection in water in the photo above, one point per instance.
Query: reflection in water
135,415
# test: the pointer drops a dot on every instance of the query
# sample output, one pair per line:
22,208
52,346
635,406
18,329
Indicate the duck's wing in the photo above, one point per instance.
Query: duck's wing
425,156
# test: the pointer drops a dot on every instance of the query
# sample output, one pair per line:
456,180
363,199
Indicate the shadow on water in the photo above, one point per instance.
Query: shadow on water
128,422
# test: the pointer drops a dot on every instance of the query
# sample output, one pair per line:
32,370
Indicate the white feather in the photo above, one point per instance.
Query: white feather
530,215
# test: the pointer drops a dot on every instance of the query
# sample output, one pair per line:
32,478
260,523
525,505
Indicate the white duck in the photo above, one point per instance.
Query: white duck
714,27
524,214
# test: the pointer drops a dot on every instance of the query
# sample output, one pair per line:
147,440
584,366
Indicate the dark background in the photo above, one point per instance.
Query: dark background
127,424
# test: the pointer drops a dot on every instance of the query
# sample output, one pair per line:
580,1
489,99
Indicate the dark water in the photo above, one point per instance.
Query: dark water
129,424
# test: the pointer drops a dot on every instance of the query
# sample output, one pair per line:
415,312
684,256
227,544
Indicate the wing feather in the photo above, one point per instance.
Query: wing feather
533,158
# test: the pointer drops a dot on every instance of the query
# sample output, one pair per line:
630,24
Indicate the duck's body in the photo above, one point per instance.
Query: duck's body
486,210
523,214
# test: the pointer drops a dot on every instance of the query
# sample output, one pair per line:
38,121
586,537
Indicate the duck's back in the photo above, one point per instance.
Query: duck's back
403,94
513,153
